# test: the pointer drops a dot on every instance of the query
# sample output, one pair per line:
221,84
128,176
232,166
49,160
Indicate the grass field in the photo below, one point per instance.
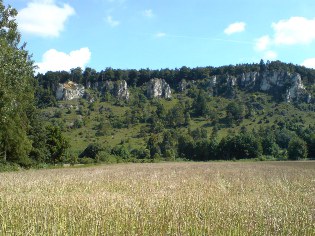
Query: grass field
220,198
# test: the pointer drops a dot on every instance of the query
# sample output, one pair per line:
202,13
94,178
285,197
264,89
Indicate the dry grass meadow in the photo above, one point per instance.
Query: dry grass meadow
223,198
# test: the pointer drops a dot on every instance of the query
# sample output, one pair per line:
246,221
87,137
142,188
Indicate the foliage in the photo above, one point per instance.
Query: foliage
8,166
235,112
16,89
57,145
91,151
297,149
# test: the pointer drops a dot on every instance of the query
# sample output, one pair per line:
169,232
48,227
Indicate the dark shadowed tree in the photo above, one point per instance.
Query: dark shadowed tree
297,149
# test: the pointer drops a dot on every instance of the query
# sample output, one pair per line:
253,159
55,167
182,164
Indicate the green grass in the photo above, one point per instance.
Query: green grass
219,198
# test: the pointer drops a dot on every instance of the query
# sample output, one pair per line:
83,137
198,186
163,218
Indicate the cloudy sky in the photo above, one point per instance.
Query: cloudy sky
127,34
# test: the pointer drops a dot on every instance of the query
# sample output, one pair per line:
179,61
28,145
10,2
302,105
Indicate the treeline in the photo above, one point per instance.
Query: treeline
133,77
198,145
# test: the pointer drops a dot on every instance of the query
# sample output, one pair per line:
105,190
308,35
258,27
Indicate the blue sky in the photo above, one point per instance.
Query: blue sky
134,34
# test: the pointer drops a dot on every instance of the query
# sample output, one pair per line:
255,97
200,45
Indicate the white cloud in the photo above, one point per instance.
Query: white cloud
236,27
292,31
112,23
54,60
44,18
160,35
310,63
270,55
296,30
148,13
262,43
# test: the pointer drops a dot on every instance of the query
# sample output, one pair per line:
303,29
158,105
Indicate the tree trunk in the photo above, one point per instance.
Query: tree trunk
5,149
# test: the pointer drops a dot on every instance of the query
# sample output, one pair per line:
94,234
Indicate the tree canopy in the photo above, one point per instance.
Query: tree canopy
16,89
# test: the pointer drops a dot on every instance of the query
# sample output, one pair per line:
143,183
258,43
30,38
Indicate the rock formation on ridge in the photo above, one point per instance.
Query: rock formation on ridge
69,91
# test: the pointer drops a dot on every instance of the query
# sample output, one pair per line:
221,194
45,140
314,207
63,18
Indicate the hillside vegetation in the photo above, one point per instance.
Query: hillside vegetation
250,111
198,121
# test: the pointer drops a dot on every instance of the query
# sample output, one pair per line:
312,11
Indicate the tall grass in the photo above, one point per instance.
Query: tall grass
161,199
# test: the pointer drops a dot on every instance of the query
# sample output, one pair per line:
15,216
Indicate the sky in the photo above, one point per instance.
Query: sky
135,34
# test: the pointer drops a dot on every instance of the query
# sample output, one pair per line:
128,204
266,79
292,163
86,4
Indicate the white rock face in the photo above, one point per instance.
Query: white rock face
231,81
273,79
158,88
297,88
121,90
213,81
118,89
293,84
249,79
69,91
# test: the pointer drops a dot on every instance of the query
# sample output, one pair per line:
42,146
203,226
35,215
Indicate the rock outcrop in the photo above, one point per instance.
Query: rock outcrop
158,88
118,89
284,81
183,85
121,90
281,84
69,91
249,79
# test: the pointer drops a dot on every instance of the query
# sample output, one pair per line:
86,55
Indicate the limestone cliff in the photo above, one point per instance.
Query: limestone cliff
118,89
291,83
69,91
121,90
288,86
158,88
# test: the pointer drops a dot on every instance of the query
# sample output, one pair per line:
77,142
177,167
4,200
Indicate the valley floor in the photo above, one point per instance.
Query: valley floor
217,198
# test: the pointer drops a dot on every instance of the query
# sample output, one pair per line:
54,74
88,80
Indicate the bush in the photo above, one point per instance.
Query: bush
106,157
297,149
91,151
8,166
26,162
121,151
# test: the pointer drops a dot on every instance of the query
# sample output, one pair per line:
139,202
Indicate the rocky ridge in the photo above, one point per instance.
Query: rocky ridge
286,86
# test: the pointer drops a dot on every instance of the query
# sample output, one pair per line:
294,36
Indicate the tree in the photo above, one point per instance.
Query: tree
262,66
57,144
200,104
16,89
153,145
91,151
235,112
169,144
297,149
76,75
176,116
241,146
89,75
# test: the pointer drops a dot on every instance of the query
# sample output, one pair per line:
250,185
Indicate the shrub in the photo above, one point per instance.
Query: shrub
8,166
91,151
106,157
297,149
